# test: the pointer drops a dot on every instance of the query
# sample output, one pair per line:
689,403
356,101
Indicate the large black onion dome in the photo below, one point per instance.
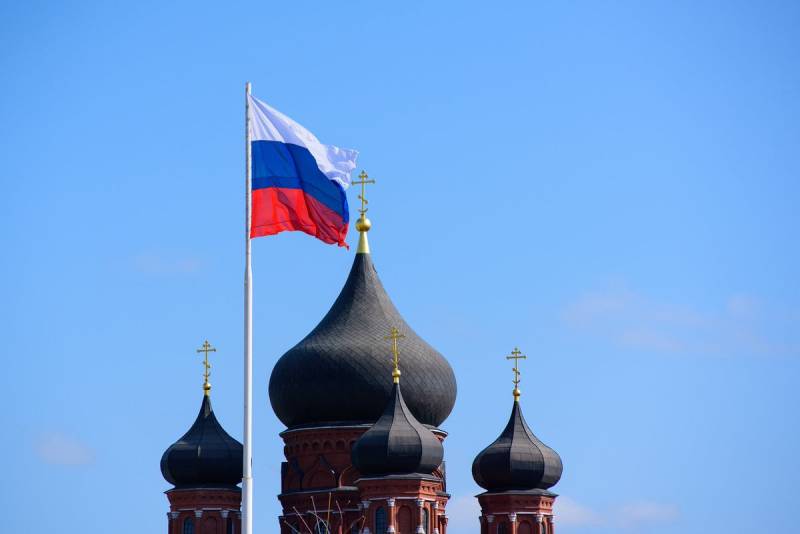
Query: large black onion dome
517,460
336,374
397,444
206,456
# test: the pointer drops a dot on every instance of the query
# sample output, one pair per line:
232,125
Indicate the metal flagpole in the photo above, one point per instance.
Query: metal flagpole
247,466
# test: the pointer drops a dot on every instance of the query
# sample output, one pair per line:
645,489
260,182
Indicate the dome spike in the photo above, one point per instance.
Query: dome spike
363,224
206,348
395,335
516,355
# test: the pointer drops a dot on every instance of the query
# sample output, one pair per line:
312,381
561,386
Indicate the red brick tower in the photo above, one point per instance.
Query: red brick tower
331,387
517,470
204,466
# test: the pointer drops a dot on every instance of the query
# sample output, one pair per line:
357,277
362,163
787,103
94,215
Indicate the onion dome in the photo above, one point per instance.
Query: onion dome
334,375
206,456
517,460
397,444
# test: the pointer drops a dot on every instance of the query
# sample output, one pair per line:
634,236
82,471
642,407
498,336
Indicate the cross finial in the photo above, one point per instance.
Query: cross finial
516,355
394,335
206,348
363,224
364,180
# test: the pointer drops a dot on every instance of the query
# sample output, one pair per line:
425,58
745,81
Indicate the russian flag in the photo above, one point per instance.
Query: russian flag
297,182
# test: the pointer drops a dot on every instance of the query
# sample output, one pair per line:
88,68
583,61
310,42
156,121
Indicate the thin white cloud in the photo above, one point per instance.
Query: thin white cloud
570,513
155,264
626,516
56,448
462,514
632,320
636,514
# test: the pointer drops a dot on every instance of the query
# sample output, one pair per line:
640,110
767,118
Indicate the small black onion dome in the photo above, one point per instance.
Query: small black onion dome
206,456
517,460
336,373
397,444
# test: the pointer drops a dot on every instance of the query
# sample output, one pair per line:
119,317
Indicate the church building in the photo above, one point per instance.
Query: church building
363,398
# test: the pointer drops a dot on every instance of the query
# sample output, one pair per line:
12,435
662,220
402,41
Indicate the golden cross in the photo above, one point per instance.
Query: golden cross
363,196
516,355
206,348
394,336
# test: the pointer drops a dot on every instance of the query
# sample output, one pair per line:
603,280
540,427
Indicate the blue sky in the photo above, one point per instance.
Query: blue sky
612,186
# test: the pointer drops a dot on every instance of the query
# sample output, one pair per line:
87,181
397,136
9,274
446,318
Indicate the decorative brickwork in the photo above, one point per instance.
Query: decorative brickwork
207,510
411,504
320,485
523,512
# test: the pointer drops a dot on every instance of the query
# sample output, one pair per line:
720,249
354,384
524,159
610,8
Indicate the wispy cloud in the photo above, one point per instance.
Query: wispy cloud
741,325
57,448
635,514
157,264
569,512
463,513
626,516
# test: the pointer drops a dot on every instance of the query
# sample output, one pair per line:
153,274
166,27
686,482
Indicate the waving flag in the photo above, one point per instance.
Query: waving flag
297,182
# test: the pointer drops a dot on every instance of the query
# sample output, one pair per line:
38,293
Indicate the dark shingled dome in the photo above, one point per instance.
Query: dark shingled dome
397,444
517,460
337,373
206,456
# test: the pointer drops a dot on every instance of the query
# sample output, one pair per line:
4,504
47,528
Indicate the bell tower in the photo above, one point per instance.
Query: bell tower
400,461
517,470
204,466
332,387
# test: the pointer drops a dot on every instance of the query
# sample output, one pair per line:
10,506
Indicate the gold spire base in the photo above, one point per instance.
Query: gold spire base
206,389
363,225
396,376
517,394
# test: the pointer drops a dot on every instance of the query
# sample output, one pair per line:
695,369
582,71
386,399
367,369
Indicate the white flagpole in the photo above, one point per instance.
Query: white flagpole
247,467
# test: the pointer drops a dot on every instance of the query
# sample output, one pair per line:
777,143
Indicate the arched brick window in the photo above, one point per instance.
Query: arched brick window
188,526
209,525
380,521
404,523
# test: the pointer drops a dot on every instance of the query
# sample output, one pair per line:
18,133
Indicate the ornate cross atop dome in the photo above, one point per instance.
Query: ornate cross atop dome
206,348
395,335
516,355
363,181
363,224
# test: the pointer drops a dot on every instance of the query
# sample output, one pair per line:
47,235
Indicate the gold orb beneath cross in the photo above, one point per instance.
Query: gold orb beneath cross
363,224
